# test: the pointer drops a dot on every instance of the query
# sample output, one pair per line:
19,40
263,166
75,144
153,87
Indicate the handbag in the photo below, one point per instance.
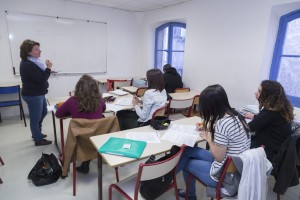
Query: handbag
151,189
46,170
160,123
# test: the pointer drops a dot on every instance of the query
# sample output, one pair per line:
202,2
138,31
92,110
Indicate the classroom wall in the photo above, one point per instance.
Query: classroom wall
123,41
229,42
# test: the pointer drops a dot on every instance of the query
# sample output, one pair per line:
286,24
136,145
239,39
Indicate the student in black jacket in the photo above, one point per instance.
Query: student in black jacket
171,78
34,75
272,125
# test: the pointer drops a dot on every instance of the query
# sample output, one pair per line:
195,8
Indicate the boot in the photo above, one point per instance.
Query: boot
84,168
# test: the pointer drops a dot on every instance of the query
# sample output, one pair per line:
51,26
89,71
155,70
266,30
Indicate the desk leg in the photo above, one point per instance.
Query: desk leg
55,136
99,177
62,138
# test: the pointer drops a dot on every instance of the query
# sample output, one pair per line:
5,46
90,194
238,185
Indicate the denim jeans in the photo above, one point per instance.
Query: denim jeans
37,107
197,161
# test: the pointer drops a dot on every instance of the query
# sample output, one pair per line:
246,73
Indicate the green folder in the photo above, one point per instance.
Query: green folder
123,147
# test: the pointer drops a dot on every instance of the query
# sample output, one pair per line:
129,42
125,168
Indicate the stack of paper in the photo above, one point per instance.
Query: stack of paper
149,137
119,92
182,134
124,102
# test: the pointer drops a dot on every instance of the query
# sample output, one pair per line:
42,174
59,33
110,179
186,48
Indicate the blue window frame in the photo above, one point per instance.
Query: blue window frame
285,66
169,45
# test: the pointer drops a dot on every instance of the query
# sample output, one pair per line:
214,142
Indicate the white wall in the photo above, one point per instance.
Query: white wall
123,44
229,42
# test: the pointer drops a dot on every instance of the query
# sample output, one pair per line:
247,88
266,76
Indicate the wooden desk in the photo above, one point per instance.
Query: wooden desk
130,89
184,95
4,84
151,148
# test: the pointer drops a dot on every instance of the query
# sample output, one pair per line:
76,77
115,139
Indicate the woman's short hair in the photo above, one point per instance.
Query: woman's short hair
213,105
26,47
155,79
88,93
273,97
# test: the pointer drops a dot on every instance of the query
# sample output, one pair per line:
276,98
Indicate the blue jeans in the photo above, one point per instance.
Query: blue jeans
37,107
197,161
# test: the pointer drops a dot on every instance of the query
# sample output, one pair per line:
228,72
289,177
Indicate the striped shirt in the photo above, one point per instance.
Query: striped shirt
229,132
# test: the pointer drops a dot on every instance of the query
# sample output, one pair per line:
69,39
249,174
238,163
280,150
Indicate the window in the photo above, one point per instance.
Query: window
169,45
286,58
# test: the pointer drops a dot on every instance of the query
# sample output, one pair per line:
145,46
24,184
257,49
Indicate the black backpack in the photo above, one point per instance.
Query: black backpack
151,189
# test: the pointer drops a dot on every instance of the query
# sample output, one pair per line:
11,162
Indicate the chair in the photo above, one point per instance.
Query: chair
140,91
159,112
229,167
194,110
178,90
116,84
2,163
78,145
15,102
129,187
179,104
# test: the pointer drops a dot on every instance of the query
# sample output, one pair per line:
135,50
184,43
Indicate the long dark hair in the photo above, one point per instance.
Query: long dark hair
213,105
272,97
155,79
88,93
26,47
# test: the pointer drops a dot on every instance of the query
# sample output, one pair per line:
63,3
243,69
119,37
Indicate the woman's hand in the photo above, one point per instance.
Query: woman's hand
206,136
135,100
199,126
248,115
49,64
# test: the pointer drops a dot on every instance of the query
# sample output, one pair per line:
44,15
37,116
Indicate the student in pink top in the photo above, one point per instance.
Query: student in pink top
87,103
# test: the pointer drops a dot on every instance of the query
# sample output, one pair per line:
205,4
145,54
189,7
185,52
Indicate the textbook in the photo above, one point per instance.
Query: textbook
123,147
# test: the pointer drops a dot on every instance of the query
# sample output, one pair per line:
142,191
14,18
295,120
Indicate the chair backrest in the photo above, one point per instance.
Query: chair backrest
116,84
140,91
178,90
196,100
158,169
181,103
9,89
159,112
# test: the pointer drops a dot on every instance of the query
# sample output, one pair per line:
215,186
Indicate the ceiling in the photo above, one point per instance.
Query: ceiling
132,5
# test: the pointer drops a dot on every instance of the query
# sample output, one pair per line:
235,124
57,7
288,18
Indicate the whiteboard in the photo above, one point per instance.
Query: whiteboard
73,45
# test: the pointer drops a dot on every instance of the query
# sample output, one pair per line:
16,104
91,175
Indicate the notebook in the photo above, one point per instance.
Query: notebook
123,147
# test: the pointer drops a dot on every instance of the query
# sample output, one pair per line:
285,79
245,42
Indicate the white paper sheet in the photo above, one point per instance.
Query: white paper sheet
182,134
123,102
149,137
113,107
251,108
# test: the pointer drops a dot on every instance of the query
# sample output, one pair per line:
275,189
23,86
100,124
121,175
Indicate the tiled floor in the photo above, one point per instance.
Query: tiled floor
19,154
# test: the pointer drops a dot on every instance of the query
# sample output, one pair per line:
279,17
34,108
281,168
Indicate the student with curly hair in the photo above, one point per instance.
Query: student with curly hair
87,103
272,125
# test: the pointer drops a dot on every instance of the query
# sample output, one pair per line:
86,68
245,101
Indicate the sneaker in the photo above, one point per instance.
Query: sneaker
43,136
181,193
43,142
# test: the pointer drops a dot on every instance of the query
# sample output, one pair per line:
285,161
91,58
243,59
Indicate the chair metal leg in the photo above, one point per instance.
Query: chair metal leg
1,181
0,118
1,161
23,115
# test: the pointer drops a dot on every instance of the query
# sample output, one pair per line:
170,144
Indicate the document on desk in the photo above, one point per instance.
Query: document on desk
124,102
251,108
113,107
182,134
149,137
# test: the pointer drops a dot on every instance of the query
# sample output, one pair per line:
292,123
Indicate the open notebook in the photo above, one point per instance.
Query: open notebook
123,147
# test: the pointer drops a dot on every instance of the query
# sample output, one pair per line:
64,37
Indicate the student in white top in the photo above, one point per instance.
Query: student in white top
226,132
155,97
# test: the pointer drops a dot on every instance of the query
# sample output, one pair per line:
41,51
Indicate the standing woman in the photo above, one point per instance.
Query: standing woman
35,75
272,125
226,132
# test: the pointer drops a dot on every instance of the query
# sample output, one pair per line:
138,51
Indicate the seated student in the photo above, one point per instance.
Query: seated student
172,78
272,125
155,97
226,132
86,103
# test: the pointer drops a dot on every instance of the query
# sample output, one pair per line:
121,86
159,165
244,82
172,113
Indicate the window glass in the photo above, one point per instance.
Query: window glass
292,39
